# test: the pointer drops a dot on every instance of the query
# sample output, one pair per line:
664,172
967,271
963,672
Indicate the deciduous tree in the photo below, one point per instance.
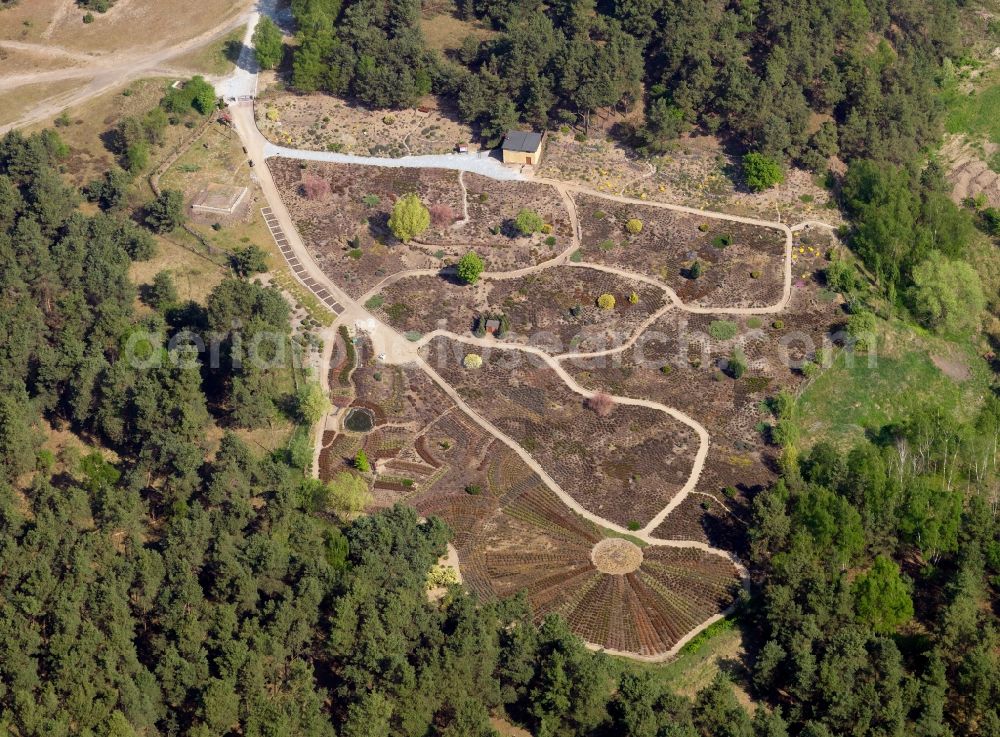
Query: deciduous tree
409,218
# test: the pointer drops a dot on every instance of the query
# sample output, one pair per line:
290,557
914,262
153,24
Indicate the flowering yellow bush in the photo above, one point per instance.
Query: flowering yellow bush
440,575
634,226
606,302
473,361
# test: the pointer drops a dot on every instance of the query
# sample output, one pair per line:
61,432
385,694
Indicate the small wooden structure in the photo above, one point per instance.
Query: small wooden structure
492,326
522,147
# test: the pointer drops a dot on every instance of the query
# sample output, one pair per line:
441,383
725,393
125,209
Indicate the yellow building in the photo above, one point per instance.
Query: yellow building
522,147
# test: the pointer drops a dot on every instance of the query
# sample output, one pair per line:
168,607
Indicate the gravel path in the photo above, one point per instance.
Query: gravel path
698,463
398,350
485,165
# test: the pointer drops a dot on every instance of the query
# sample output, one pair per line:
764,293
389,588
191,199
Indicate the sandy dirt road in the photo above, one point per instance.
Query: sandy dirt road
98,73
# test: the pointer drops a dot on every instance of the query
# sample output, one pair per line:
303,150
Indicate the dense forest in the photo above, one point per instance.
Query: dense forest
156,589
149,587
802,81
156,586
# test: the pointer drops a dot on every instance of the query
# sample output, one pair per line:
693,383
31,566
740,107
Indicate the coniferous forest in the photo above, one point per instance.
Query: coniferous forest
158,588
754,71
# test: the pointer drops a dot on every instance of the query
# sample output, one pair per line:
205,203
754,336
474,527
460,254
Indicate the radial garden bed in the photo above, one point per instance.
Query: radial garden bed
622,462
512,532
514,535
536,545
708,262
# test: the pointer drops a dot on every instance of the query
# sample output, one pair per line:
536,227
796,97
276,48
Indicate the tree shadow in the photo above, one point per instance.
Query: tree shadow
146,295
112,141
378,225
450,275
232,50
725,531
508,229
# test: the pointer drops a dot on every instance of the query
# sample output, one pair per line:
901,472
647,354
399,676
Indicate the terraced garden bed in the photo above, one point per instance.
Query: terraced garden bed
554,309
342,213
740,265
624,466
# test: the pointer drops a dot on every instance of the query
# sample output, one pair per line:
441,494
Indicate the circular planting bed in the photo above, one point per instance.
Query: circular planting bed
359,419
616,556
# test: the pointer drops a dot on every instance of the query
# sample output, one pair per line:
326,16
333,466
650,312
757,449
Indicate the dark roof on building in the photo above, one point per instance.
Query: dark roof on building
526,141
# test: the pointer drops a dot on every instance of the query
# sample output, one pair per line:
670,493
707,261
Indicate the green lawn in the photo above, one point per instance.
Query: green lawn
218,57
975,113
853,396
719,647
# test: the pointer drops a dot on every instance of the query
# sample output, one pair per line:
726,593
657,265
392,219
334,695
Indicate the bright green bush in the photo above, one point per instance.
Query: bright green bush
723,329
409,218
470,266
761,172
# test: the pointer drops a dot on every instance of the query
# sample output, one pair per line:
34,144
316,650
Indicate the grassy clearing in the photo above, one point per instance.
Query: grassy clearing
18,61
974,113
214,157
239,234
194,275
445,32
89,156
217,58
135,25
853,396
26,21
217,156
720,647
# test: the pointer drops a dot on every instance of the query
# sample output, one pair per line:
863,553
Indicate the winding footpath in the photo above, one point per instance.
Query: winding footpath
645,533
393,348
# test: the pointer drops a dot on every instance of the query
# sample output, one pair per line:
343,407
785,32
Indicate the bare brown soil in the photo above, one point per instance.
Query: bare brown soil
59,23
953,368
968,173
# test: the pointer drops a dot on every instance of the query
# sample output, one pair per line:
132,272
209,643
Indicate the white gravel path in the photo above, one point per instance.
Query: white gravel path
485,165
